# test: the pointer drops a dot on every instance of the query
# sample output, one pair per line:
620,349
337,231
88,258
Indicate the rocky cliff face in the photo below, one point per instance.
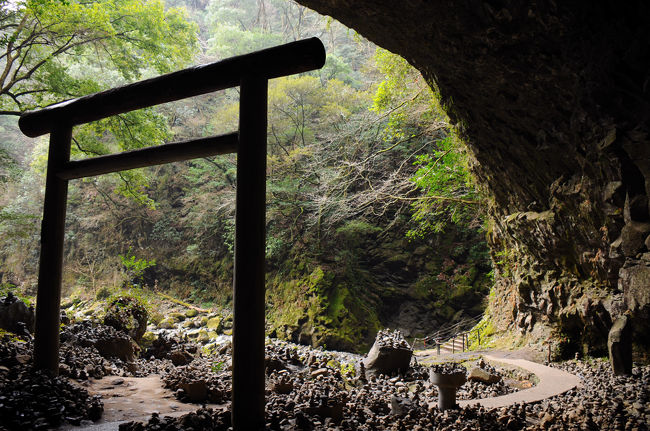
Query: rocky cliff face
554,100
369,280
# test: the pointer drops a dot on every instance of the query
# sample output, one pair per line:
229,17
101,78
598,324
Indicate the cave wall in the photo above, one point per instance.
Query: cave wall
554,101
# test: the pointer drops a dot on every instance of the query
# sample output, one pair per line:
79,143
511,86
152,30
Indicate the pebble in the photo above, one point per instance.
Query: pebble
312,389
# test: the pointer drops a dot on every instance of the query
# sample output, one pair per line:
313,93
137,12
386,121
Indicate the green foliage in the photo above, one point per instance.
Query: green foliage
104,292
126,37
135,267
6,288
449,195
447,192
352,154
354,232
484,332
56,50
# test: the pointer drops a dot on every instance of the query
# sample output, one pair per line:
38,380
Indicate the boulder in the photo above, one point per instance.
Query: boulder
215,323
115,347
634,281
167,323
127,314
180,357
619,345
390,353
178,317
196,391
109,342
15,316
202,336
478,374
400,406
633,237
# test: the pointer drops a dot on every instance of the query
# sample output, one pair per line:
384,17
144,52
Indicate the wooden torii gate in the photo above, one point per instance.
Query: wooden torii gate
251,73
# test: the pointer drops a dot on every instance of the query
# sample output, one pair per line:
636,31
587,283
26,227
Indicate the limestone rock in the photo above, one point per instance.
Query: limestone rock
619,345
215,323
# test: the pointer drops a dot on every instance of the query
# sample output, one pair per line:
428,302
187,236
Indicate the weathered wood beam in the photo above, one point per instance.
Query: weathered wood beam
283,60
150,156
250,246
48,296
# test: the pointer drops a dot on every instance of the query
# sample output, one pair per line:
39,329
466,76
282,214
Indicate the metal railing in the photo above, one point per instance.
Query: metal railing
461,330
251,73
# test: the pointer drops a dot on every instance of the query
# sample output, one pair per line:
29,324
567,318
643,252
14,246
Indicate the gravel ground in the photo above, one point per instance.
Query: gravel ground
307,389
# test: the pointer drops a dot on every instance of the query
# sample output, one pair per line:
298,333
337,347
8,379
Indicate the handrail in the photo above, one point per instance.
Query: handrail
288,59
450,332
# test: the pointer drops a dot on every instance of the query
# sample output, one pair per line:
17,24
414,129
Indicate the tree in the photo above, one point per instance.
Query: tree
112,41
445,190
55,50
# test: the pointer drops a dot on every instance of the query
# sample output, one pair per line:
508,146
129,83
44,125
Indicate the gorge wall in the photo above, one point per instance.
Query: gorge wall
554,101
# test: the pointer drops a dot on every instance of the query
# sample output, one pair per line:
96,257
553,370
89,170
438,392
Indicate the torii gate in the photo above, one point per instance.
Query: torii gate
251,73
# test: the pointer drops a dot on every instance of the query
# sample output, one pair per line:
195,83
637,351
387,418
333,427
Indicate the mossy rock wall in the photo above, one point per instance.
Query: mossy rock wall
370,279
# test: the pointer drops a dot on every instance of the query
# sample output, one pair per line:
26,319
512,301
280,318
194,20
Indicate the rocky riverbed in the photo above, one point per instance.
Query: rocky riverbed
307,389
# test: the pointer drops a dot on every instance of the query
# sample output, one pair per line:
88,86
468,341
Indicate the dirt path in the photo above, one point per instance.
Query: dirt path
133,398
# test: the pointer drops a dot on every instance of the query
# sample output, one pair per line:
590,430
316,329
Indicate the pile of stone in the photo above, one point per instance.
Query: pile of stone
33,400
81,363
326,403
172,347
448,368
108,341
200,381
204,419
603,401
390,354
484,381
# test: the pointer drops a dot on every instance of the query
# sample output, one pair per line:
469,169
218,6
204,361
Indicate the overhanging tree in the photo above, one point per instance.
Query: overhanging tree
112,41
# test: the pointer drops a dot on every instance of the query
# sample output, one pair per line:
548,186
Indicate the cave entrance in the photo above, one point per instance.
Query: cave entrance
251,73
